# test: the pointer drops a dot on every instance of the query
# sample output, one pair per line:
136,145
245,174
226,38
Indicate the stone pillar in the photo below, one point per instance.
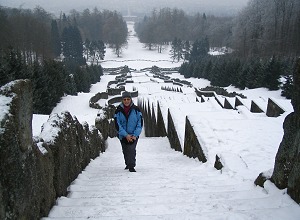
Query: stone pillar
286,172
160,123
273,110
192,147
172,134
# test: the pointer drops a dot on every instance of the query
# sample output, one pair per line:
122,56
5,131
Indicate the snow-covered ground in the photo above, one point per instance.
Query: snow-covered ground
169,185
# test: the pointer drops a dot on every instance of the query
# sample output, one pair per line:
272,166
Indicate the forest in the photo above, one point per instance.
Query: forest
55,52
263,41
61,55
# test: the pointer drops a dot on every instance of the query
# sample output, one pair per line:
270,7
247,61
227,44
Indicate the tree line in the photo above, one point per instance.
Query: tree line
264,38
268,27
243,73
52,53
39,35
50,79
262,28
163,26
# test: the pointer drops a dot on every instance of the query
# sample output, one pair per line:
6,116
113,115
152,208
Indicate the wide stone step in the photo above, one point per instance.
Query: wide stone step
234,215
249,206
155,189
155,199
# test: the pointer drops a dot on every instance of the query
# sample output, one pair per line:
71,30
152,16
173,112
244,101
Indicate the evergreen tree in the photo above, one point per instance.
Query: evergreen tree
16,66
242,77
187,50
71,88
39,82
183,68
115,32
200,49
55,39
6,30
287,87
3,76
272,74
176,50
255,74
100,50
82,79
207,69
88,50
72,44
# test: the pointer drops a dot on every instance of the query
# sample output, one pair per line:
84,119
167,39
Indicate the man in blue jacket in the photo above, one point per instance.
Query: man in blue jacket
129,124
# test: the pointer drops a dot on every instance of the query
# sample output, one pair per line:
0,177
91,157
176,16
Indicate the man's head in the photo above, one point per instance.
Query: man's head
126,98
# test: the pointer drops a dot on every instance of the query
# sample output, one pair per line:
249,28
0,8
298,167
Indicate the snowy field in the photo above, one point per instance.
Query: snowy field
246,142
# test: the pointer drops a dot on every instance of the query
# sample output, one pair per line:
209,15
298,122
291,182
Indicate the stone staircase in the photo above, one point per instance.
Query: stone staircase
167,185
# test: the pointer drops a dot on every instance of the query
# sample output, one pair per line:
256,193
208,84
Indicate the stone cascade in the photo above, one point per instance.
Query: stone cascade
155,127
35,171
192,147
113,94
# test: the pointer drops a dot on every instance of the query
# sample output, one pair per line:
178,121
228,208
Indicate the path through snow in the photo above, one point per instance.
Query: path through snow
167,185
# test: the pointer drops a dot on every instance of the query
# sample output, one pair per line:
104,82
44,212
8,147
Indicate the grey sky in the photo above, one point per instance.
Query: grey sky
134,6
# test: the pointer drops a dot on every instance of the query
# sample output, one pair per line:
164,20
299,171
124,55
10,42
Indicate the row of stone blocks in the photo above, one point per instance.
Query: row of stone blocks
155,127
273,109
286,172
35,171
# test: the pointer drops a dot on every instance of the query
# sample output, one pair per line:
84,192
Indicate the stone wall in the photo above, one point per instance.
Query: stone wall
35,172
286,173
93,101
105,123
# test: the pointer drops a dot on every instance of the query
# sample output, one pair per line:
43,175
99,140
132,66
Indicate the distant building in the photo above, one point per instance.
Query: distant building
130,18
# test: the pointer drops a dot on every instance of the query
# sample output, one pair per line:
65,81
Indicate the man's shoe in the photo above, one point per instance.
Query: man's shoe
126,168
132,170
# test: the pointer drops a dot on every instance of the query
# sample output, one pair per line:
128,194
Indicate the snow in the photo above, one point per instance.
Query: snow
4,108
169,185
51,129
37,123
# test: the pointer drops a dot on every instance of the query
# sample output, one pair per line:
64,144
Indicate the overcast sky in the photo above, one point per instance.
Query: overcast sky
134,6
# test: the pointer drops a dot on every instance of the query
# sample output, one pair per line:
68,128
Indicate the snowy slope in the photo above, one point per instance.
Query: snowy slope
167,184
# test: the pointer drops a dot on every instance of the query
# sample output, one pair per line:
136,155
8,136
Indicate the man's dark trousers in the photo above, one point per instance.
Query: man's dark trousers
129,152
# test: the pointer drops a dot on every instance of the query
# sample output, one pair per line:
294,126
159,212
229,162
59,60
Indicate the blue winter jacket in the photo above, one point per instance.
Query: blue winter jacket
132,124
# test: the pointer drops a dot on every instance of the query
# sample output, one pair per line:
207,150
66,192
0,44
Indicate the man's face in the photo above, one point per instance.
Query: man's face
126,101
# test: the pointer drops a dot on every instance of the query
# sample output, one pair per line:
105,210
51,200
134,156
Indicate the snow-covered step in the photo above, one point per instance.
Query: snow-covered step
277,214
152,192
154,199
167,185
246,205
